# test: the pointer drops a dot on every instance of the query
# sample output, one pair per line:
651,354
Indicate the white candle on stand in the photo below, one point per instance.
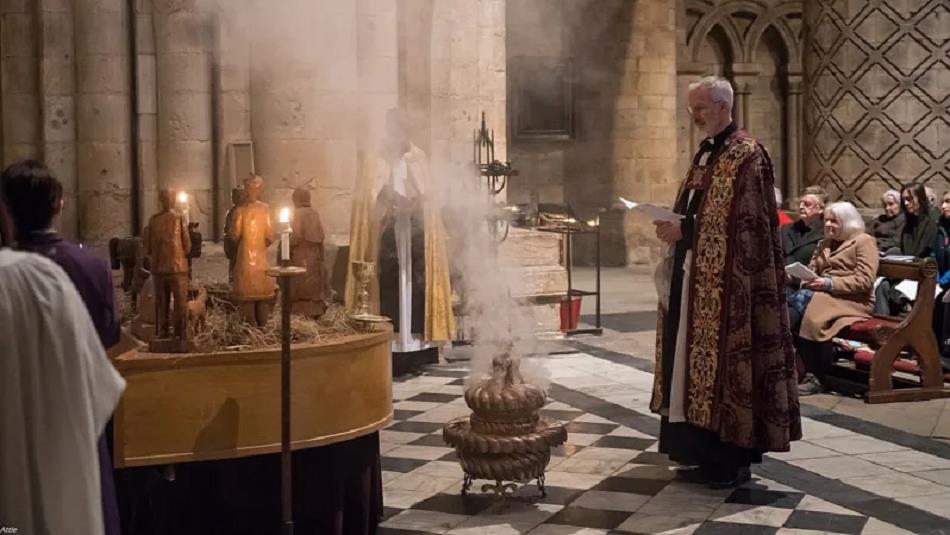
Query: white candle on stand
284,219
183,206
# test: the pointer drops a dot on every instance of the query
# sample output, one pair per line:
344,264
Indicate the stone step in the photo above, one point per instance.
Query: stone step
537,281
527,247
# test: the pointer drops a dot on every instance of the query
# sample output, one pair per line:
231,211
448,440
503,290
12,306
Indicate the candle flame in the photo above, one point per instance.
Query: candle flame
592,222
182,197
284,216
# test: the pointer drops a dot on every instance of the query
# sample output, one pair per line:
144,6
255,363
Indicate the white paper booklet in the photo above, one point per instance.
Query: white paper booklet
655,213
800,271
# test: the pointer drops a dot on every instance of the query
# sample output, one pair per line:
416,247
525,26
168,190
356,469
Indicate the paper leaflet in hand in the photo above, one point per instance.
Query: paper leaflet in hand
800,271
655,213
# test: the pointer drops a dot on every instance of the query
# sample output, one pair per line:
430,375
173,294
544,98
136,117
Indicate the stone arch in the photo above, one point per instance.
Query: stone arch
766,83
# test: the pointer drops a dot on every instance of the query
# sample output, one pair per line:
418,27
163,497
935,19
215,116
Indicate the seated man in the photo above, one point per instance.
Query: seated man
800,238
34,197
846,263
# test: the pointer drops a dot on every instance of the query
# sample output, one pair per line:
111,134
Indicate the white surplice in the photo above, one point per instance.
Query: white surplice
57,391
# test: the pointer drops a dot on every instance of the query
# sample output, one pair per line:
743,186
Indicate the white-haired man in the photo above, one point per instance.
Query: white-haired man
725,382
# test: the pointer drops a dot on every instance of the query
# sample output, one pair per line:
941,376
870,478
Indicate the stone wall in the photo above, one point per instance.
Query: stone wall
123,103
877,84
758,48
621,56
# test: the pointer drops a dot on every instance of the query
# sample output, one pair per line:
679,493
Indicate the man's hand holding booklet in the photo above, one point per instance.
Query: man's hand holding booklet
655,213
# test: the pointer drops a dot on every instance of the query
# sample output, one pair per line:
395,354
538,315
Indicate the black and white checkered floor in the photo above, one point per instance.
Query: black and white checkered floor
608,478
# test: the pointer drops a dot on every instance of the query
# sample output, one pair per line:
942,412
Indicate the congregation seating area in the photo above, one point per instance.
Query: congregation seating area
901,361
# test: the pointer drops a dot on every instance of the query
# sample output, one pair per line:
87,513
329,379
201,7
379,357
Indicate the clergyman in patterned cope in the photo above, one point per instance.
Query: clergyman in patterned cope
725,382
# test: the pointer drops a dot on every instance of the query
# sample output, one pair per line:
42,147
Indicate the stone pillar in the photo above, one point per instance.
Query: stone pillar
645,122
378,60
468,77
20,95
793,186
875,96
183,75
146,110
232,103
744,76
103,130
58,87
305,105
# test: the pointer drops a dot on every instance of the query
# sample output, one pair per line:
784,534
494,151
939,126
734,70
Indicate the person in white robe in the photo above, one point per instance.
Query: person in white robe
57,391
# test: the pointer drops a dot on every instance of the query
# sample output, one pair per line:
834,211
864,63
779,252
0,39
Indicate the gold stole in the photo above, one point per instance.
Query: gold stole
364,244
708,277
709,259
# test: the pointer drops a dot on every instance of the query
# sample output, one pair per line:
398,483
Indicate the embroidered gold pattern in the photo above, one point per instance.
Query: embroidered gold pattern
709,261
656,402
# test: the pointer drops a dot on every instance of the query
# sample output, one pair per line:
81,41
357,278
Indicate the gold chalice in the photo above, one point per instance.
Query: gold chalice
364,272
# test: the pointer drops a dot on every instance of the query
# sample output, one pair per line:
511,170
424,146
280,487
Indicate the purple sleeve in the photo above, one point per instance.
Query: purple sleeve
108,323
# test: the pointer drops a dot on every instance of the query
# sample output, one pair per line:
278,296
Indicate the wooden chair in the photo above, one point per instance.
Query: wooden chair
888,336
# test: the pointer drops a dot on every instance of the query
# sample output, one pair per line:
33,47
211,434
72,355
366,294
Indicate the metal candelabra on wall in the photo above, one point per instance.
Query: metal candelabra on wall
496,174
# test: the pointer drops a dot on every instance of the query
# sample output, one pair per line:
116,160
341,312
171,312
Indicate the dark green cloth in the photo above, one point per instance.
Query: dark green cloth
918,235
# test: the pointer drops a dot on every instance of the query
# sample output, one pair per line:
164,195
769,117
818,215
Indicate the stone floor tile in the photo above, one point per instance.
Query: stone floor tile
629,443
829,522
427,453
398,437
441,469
842,467
897,485
606,454
424,483
878,527
394,464
646,471
554,529
457,504
435,439
938,504
627,432
764,497
593,419
572,480
416,405
583,439
489,526
590,466
812,503
812,430
590,428
519,513
403,499
908,461
751,514
857,445
633,485
647,523
426,521
804,450
610,501
937,476
588,518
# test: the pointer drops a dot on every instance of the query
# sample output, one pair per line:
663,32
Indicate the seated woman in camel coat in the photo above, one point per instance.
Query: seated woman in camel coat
846,263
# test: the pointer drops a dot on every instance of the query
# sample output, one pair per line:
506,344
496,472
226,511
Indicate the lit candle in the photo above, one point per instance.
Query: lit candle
183,206
284,219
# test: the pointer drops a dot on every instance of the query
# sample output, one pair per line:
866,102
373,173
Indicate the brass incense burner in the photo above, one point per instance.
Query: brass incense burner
505,439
